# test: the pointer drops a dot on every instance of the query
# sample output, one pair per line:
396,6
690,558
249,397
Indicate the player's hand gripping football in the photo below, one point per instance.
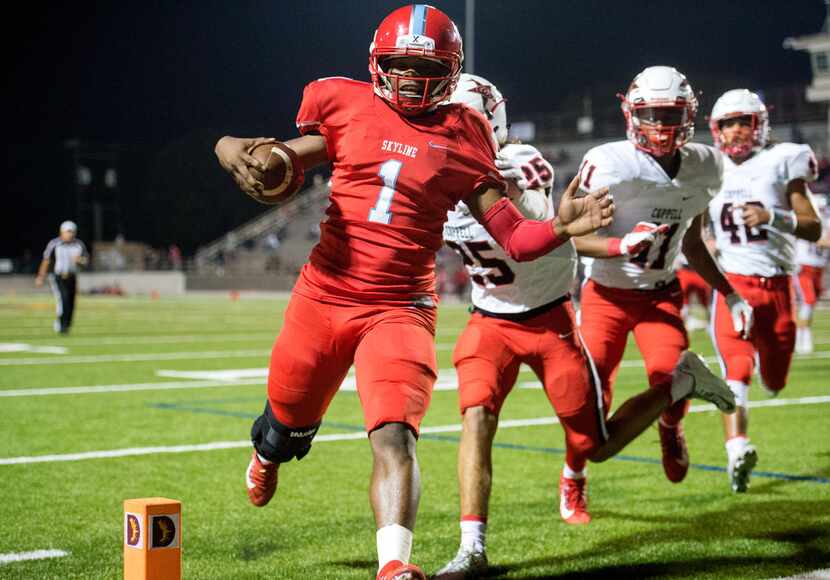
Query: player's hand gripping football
641,237
741,314
585,214
234,158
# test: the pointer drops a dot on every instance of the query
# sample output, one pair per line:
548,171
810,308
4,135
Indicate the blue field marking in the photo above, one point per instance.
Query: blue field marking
636,459
454,439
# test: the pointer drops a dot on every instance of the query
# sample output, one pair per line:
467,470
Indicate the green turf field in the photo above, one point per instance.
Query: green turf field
138,368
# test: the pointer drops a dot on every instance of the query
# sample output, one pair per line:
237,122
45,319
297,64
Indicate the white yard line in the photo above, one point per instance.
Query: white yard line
36,555
169,339
506,424
823,574
202,380
138,357
86,390
133,357
25,347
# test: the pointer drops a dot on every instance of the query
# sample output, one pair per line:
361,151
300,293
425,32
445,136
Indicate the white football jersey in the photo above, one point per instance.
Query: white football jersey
808,253
760,180
643,192
500,284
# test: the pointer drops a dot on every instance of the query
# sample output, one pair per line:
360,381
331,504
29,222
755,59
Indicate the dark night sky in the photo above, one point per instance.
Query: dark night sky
163,80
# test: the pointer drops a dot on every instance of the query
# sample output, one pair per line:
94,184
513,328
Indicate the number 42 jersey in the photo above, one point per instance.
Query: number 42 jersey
761,180
500,285
643,192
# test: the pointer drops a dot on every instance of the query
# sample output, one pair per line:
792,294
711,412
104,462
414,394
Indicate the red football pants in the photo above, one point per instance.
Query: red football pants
488,355
772,338
694,285
392,349
609,314
810,284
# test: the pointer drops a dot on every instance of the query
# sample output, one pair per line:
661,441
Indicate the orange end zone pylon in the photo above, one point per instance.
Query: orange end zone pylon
152,539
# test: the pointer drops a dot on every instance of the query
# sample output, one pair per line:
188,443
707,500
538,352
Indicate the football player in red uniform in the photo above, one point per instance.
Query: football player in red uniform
401,159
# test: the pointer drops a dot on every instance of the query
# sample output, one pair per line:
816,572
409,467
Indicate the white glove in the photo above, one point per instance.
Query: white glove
641,237
741,314
524,165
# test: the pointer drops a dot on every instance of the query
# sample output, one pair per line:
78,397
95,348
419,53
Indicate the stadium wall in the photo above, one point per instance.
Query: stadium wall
130,283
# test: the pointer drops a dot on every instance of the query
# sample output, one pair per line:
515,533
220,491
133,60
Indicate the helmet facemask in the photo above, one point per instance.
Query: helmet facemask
659,129
738,147
420,83
659,109
746,108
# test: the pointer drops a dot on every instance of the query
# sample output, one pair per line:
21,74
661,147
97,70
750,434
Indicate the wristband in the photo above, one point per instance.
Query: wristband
614,247
783,219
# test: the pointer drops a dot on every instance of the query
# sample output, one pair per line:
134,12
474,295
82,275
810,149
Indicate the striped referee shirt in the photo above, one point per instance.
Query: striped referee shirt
62,255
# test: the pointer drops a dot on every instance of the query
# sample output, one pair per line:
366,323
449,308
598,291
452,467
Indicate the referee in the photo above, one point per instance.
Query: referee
61,260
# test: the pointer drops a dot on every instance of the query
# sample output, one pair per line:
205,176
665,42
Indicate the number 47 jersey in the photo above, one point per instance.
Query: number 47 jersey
643,192
500,285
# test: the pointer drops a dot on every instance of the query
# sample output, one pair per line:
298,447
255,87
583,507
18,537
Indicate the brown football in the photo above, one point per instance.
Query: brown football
283,175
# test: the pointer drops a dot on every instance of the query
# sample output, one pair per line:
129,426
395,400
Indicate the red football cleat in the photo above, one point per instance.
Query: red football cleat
261,480
573,501
397,570
675,452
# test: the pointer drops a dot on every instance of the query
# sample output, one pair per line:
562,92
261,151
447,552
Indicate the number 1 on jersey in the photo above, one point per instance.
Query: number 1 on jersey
389,172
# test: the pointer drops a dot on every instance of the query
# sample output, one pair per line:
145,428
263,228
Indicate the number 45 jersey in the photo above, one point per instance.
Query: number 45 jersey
761,180
394,179
643,192
500,285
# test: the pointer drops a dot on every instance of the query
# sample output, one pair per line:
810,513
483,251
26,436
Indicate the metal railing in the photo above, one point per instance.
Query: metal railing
270,221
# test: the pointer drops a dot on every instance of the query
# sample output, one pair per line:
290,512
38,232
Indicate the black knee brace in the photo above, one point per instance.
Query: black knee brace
279,443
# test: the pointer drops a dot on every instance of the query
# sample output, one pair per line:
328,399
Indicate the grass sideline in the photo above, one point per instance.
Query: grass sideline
319,525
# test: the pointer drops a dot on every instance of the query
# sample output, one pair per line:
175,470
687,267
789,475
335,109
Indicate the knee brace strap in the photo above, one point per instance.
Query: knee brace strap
279,443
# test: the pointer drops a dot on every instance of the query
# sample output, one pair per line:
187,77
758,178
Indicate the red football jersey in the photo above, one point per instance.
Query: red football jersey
394,179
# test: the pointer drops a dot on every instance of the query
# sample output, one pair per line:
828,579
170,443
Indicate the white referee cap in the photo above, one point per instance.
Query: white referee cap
69,226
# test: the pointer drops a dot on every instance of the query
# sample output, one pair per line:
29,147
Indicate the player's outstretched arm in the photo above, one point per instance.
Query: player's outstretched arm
524,239
584,214
701,260
637,240
233,155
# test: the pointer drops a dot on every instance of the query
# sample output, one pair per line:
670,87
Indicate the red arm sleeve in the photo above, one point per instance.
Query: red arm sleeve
521,238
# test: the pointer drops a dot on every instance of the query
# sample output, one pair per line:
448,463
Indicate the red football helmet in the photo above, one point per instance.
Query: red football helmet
418,31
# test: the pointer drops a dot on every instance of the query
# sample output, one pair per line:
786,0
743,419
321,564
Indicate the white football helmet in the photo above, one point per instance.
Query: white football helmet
740,103
481,95
659,109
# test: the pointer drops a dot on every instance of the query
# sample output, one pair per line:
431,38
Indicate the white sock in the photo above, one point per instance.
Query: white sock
741,392
571,474
473,535
394,543
736,445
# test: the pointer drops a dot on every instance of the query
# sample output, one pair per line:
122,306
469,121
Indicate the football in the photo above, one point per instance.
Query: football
283,175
